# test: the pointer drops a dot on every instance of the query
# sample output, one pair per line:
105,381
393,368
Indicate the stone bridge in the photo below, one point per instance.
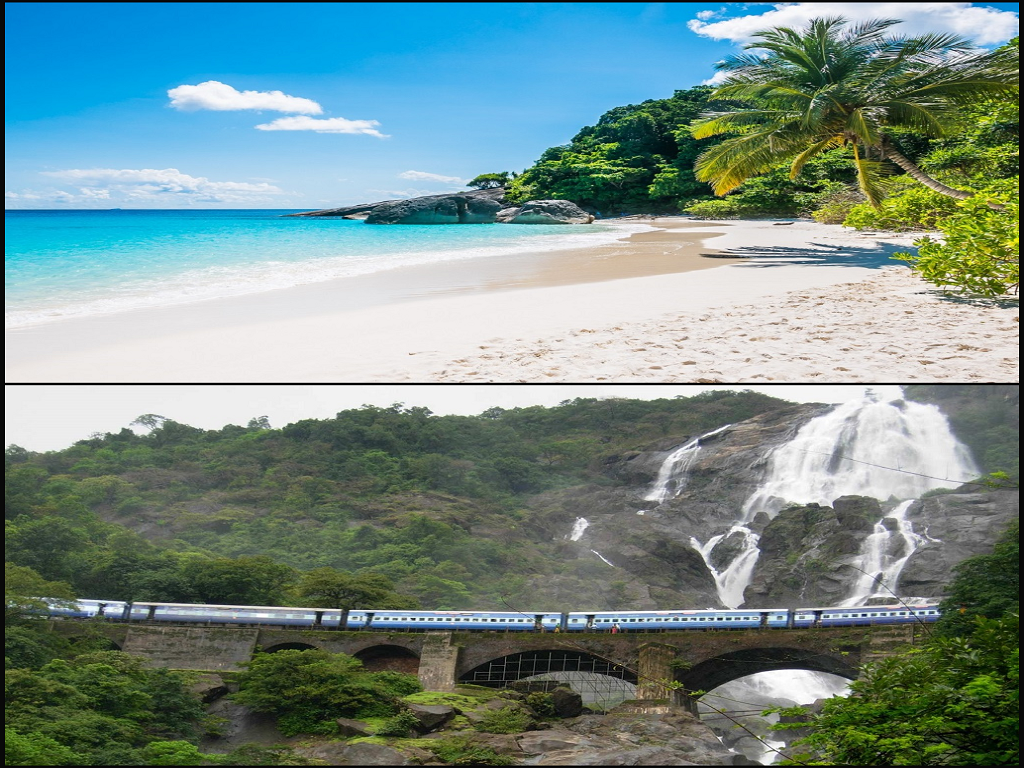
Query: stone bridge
666,667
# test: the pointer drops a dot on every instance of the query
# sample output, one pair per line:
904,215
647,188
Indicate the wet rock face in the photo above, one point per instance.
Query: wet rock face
957,526
640,552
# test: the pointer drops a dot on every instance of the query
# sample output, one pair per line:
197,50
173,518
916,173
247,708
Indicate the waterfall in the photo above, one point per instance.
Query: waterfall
733,579
877,446
672,474
882,557
867,447
578,528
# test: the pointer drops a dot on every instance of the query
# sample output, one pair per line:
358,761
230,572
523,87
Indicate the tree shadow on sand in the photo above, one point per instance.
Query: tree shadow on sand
826,255
820,255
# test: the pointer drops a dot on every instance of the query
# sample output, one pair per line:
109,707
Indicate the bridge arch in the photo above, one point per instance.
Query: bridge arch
600,682
290,646
724,668
389,658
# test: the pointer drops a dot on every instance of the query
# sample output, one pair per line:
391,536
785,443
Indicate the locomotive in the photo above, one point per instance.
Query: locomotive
505,621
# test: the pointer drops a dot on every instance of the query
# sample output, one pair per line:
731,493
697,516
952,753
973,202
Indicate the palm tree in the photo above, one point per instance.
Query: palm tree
830,86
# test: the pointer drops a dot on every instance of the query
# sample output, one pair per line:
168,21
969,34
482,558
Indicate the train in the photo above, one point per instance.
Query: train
505,621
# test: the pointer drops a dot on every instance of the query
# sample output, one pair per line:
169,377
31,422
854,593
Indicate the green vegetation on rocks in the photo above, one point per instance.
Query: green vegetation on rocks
308,690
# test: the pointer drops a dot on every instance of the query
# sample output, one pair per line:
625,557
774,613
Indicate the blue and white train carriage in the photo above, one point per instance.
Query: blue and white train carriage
503,621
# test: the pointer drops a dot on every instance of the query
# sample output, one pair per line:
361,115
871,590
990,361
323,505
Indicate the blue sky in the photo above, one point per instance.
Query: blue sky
311,105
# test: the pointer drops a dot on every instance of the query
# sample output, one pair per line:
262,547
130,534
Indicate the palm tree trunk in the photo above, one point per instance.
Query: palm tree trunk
890,152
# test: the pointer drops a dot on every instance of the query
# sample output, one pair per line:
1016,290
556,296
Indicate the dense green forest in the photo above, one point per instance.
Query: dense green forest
431,506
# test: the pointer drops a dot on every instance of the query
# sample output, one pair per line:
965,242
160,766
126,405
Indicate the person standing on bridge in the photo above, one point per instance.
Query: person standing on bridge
615,629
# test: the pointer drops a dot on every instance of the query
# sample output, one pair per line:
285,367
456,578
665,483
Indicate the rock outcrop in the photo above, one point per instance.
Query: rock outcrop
545,212
363,210
444,209
481,206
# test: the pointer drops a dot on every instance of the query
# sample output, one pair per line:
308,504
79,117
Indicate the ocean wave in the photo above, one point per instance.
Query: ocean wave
216,282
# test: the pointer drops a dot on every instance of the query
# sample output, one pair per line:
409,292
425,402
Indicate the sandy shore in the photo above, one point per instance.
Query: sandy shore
685,302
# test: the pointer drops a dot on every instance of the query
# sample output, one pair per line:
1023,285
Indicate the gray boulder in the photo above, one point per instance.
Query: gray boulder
431,717
545,212
436,209
352,728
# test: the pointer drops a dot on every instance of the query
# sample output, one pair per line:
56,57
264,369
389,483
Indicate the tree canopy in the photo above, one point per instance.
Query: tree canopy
832,85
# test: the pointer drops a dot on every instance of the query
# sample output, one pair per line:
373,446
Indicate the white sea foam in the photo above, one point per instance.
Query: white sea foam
215,282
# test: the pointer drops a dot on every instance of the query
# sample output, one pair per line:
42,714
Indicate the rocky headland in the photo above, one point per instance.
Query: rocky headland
483,206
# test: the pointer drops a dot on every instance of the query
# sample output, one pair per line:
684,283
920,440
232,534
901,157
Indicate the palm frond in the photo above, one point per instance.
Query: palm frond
870,174
863,127
815,149
729,164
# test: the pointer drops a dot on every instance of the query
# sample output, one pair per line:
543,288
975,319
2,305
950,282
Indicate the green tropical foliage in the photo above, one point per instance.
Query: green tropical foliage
328,588
637,158
834,85
308,690
99,708
985,586
979,253
491,180
952,702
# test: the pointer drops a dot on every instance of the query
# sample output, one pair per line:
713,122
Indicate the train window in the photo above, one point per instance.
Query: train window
493,620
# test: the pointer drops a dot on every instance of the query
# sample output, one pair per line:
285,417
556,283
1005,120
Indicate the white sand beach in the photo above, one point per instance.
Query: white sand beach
686,302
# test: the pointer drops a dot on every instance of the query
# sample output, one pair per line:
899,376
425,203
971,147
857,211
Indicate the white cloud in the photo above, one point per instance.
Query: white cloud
424,176
149,185
401,194
325,125
983,25
221,97
716,79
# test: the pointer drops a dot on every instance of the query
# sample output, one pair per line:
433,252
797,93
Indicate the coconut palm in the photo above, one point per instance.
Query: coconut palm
832,85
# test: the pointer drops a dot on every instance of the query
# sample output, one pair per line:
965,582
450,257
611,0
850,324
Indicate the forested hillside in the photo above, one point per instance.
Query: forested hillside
440,511
436,505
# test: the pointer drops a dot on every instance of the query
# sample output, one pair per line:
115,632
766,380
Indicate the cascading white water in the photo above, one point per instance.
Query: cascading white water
672,474
733,579
882,557
578,528
878,446
868,447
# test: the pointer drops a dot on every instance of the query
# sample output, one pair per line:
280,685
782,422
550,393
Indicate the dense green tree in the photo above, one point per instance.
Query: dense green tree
309,690
490,180
983,586
954,701
247,580
26,594
45,545
103,707
329,588
36,749
831,85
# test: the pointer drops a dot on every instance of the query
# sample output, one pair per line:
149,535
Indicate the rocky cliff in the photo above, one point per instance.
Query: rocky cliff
621,545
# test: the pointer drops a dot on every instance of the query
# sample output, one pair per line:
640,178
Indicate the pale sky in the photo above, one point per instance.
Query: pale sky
47,417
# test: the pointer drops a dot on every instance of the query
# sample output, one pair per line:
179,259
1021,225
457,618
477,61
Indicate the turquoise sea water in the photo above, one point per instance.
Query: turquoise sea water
63,264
